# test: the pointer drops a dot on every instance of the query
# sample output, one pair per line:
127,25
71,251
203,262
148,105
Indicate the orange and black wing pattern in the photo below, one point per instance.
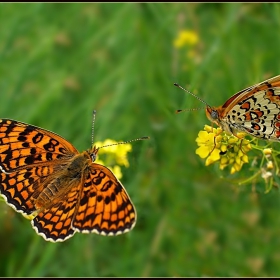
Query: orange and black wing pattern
63,191
104,207
254,110
28,156
54,223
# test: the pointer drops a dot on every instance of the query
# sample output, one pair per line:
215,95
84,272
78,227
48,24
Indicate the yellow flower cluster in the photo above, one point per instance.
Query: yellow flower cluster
216,145
113,156
186,38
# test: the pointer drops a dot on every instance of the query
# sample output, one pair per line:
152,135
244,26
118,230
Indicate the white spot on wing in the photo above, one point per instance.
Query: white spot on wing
48,238
3,170
13,206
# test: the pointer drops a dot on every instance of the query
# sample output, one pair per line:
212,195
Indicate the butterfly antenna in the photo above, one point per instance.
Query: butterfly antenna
92,128
190,109
179,111
125,142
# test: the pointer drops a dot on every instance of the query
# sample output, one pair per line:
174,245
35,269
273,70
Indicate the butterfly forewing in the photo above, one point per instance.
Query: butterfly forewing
24,145
28,157
249,92
105,206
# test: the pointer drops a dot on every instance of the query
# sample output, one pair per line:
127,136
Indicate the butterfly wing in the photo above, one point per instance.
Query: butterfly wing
249,92
55,223
22,145
254,110
28,156
105,207
32,158
258,115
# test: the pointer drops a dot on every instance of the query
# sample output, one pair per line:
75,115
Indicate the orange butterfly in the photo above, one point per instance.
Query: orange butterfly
63,191
254,110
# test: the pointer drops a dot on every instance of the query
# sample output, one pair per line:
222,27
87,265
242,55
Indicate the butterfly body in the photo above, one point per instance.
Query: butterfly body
57,185
63,191
254,110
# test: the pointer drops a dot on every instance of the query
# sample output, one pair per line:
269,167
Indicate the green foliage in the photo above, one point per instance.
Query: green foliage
59,62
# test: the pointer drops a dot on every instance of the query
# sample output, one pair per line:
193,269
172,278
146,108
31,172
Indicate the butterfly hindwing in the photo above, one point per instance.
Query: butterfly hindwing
20,188
54,222
104,207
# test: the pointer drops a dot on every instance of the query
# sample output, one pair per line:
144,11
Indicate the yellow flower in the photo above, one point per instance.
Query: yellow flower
117,171
98,161
267,151
270,165
186,37
216,145
109,149
121,154
113,155
214,156
206,141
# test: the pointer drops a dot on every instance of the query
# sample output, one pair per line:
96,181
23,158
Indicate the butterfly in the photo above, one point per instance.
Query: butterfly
254,110
62,191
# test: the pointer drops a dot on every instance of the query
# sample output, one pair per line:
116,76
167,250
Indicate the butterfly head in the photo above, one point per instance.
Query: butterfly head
212,114
93,153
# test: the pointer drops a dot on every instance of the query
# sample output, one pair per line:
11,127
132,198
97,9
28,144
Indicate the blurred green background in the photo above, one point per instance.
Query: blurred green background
59,62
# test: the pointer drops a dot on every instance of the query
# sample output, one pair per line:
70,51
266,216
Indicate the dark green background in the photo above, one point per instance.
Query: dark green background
58,62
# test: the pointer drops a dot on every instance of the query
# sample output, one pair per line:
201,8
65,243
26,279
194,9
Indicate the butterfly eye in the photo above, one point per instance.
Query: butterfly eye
93,157
214,114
